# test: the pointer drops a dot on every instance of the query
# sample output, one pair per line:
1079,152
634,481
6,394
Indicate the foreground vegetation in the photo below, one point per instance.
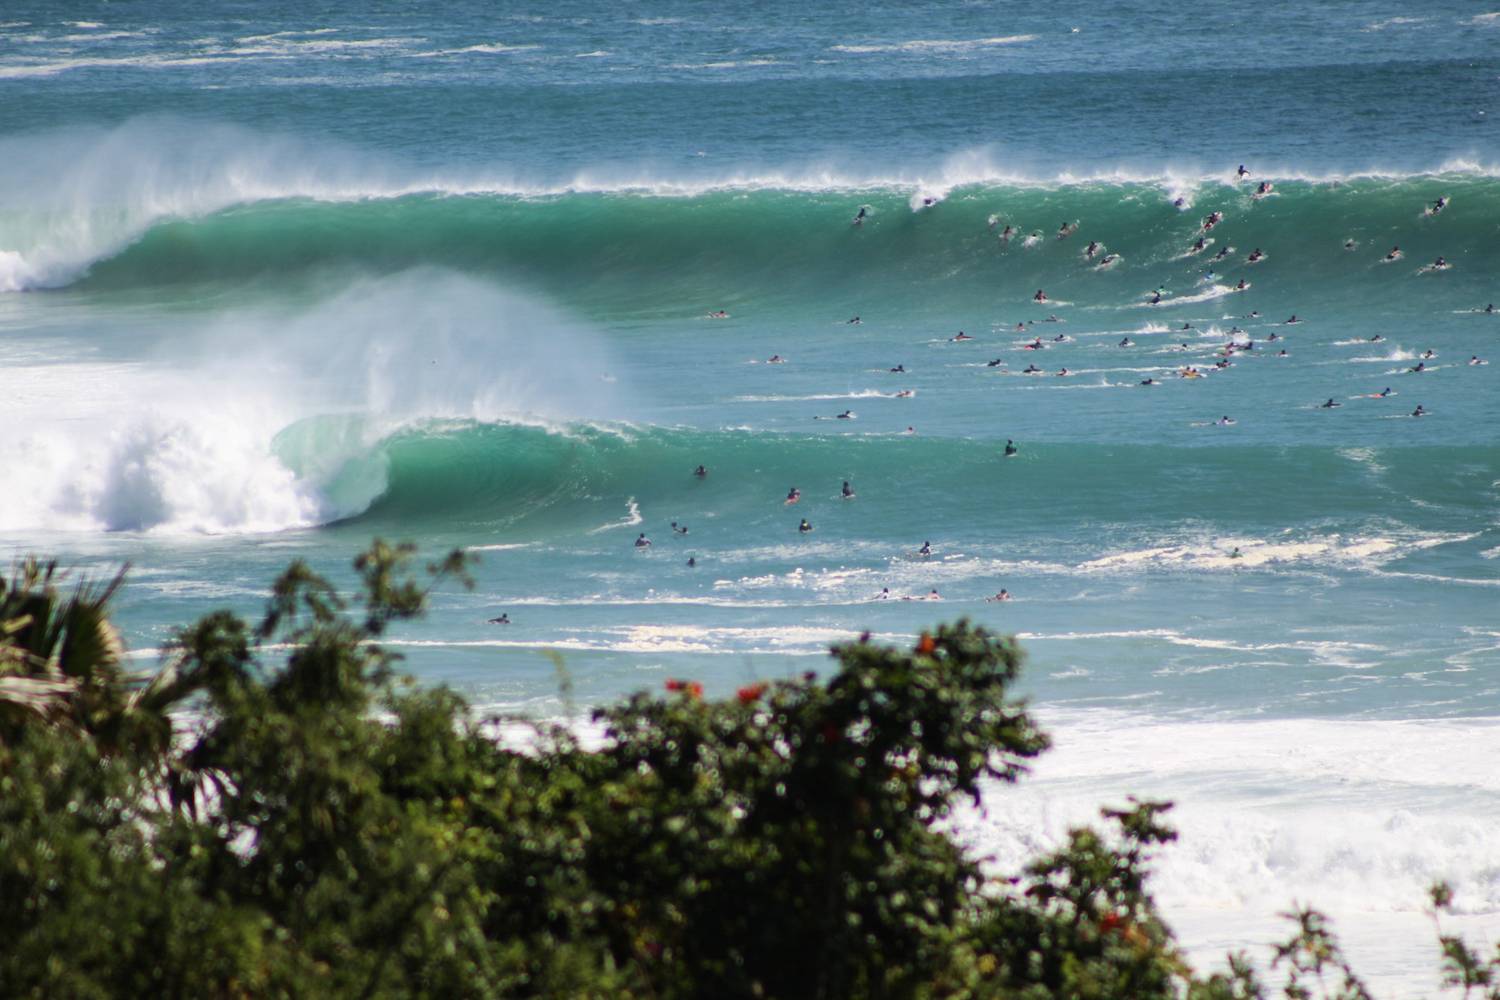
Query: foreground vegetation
278,813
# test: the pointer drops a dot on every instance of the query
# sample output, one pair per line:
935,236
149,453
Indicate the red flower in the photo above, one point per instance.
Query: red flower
691,688
751,693
926,645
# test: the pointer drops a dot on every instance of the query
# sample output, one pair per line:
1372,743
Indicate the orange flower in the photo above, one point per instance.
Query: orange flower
751,693
926,645
694,690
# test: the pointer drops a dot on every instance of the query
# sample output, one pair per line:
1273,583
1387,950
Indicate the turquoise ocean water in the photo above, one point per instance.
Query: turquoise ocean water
278,278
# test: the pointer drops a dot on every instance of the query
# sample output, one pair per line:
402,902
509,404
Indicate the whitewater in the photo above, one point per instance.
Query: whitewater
273,285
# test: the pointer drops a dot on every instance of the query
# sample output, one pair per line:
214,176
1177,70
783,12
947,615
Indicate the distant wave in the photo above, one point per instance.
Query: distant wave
70,198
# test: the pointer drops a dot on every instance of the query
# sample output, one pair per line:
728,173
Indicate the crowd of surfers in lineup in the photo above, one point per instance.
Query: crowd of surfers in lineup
1097,253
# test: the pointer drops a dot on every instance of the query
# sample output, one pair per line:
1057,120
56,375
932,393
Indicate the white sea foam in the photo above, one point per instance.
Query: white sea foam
725,64
936,45
486,48
1393,22
220,441
700,640
1355,817
1319,550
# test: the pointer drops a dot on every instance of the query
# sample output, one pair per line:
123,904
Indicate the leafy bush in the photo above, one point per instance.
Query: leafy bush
237,826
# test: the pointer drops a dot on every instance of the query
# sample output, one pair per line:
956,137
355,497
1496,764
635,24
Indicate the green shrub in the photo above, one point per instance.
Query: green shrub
277,812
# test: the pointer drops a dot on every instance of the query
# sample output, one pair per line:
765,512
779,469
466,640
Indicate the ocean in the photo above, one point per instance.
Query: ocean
279,278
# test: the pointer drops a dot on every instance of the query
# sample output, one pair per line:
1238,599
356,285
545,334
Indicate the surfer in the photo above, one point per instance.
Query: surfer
1006,234
1263,190
1149,381
1243,284
1441,264
1224,421
1384,393
1242,172
804,527
1004,595
884,595
1091,249
793,495
1063,372
1187,326
718,314
1031,370
701,472
905,394
1292,320
1010,448
679,529
1419,412
642,542
925,550
504,619
1429,354
1126,342
846,415
1489,308
1377,339
1438,205
776,359
852,321
1154,299
898,370
960,336
1199,246
848,492
859,219
1393,254
692,561
996,363
1330,404
1350,245
1475,359
1236,554
1420,366
1223,252
1256,256
1040,296
1213,219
